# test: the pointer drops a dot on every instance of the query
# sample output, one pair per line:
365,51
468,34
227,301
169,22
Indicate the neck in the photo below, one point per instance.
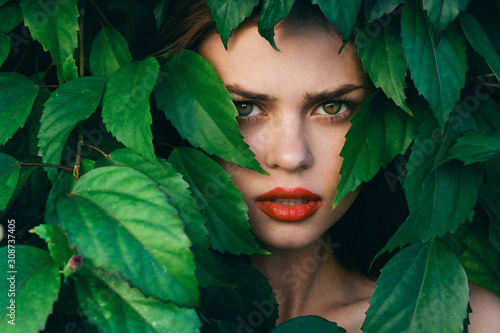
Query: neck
305,281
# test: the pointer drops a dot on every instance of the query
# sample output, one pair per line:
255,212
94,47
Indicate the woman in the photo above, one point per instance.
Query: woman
294,109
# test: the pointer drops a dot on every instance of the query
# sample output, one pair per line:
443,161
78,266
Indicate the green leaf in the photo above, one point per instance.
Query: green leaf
442,12
421,288
195,100
438,78
480,261
489,198
4,47
486,116
57,243
69,104
343,13
2,2
480,41
112,305
440,199
161,11
219,200
109,51
440,195
207,270
252,295
383,59
37,282
308,324
70,72
62,187
375,9
55,25
272,12
11,16
121,220
474,147
379,132
125,105
10,171
228,15
17,95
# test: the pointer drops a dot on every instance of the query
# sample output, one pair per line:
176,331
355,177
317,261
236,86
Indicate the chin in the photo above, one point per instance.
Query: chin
290,236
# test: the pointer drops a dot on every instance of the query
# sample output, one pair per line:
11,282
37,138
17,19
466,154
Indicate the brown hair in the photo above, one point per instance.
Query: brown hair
188,24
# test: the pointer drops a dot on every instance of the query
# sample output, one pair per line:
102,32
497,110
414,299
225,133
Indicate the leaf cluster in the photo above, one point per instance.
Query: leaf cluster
125,222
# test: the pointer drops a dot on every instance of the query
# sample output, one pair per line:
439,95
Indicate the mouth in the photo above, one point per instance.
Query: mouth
289,205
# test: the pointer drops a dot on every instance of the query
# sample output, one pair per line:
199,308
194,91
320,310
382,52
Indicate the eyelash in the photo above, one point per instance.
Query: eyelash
326,119
349,104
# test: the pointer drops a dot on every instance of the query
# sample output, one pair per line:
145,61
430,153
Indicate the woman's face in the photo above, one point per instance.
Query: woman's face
295,108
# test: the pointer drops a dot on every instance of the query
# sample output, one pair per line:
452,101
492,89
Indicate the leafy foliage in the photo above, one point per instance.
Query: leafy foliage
4,47
39,272
109,51
436,78
113,161
113,237
229,14
441,13
101,295
378,133
11,16
18,95
55,25
71,103
481,261
480,41
183,86
126,108
342,13
375,9
219,199
308,323
417,274
384,60
272,13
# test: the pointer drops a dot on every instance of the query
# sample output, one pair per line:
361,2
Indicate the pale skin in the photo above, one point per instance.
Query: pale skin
296,105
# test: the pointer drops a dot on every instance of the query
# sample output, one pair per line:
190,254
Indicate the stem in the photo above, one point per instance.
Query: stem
80,37
496,85
100,13
48,69
49,86
78,159
165,144
47,165
85,143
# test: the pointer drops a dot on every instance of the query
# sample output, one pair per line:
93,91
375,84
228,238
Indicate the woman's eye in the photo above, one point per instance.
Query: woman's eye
333,107
244,108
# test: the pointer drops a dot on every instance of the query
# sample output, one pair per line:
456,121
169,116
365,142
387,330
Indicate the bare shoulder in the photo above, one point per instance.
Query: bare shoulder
485,316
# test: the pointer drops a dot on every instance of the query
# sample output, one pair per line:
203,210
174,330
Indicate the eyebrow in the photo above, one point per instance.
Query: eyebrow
330,95
238,90
309,98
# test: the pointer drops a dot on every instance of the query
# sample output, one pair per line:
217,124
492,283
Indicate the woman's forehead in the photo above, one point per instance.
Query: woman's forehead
309,54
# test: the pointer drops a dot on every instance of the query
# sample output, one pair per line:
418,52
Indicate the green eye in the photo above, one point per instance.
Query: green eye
332,107
244,108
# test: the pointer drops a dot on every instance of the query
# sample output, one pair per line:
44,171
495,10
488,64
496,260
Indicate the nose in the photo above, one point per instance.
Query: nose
288,147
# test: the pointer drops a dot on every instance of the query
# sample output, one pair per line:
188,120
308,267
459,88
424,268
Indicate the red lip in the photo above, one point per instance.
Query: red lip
289,213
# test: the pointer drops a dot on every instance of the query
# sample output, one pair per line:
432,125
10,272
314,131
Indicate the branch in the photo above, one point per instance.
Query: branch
47,165
106,155
80,37
78,159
